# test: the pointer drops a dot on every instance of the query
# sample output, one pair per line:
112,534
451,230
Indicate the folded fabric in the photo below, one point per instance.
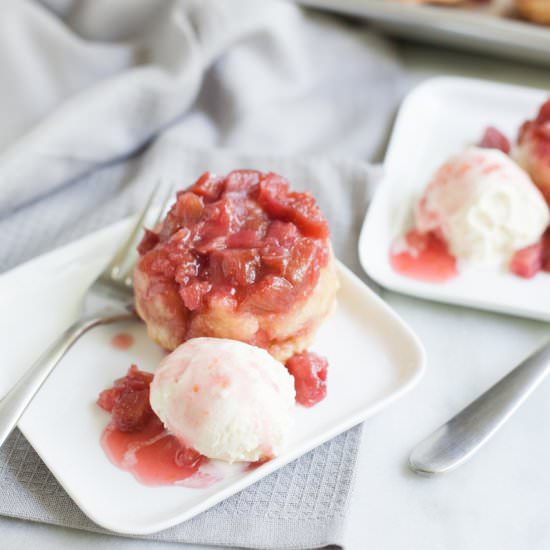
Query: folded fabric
88,86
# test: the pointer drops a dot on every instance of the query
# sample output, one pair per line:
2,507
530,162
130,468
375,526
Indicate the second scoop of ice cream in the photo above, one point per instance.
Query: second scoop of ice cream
226,399
484,206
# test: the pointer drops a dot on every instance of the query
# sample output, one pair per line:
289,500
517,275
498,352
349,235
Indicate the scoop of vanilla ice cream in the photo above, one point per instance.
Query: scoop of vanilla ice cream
485,207
226,399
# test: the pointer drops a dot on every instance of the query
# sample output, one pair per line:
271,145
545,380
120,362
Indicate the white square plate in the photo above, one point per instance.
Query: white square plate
374,358
437,119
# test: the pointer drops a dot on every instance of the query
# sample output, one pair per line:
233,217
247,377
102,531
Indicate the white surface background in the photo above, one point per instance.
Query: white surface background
500,500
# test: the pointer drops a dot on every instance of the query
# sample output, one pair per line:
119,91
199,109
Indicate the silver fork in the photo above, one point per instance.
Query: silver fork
107,301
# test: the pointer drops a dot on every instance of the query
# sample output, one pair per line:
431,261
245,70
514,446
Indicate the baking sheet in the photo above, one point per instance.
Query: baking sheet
494,29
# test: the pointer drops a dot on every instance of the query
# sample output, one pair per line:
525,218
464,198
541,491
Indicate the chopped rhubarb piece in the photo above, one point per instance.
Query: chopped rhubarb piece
495,139
272,295
527,262
306,214
188,208
242,181
285,233
310,377
106,399
192,295
221,218
136,440
544,112
158,262
148,242
304,256
274,256
131,410
238,267
273,195
209,187
299,208
258,463
187,269
533,150
245,238
128,400
134,380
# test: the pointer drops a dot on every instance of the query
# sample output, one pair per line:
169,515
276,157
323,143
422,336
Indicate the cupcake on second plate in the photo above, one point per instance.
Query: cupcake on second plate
537,11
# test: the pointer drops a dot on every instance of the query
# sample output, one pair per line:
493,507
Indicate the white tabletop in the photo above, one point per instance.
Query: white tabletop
499,500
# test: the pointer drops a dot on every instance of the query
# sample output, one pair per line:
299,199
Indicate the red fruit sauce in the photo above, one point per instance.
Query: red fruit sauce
495,139
135,440
310,377
122,341
244,239
423,256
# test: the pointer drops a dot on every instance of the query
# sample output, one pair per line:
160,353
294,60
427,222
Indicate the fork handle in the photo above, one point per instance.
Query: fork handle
458,439
14,403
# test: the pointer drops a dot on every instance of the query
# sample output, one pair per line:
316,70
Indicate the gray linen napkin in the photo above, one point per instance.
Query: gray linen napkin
86,86
301,506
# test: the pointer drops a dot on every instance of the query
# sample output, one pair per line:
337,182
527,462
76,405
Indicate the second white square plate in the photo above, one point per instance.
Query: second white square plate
437,119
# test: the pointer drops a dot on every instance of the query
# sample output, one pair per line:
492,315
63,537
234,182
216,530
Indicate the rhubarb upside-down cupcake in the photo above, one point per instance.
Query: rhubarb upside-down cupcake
537,11
239,257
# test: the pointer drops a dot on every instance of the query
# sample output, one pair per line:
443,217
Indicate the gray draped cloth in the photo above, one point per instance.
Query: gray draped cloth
99,99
